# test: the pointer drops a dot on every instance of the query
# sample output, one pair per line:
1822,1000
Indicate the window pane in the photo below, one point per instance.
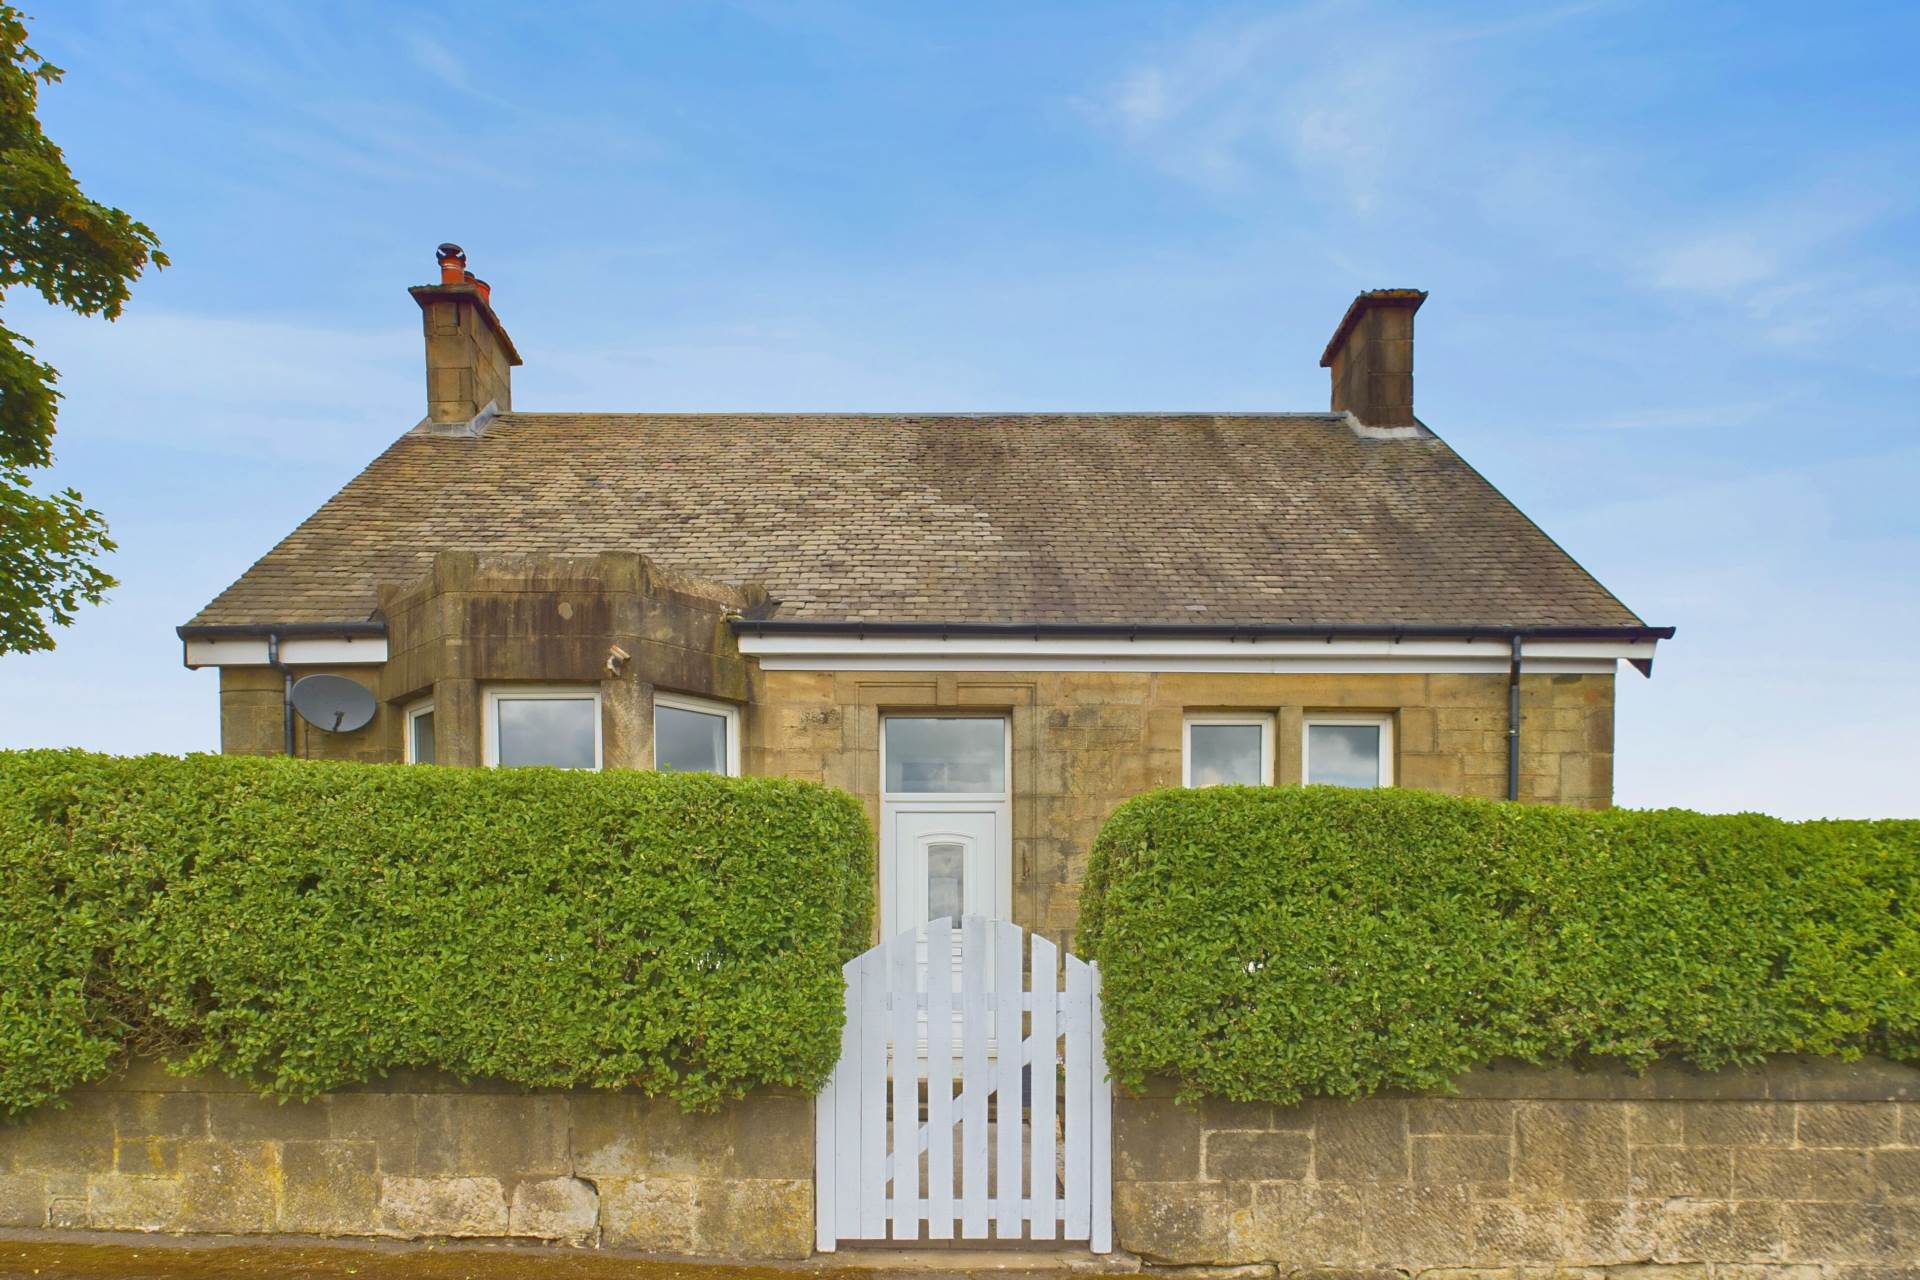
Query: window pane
1225,753
940,755
555,731
423,738
1344,755
689,741
946,880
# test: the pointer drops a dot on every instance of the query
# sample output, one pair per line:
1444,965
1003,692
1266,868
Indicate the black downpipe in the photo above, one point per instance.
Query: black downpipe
1513,722
286,692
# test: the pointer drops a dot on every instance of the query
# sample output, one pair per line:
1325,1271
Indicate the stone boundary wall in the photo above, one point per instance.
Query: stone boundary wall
417,1155
1749,1173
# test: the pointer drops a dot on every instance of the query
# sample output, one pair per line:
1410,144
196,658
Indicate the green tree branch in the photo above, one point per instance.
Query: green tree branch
75,253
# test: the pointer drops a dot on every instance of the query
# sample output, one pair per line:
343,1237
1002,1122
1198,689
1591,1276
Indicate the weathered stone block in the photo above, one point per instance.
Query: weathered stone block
1701,1172
443,1207
23,1200
1717,1231
1802,1174
658,1215
1571,1150
1364,1141
228,1186
151,1156
1447,1158
1302,1223
490,1135
773,1137
754,1217
173,1114
1459,1115
1222,1113
55,1139
555,1209
1898,1173
244,1117
330,1187
1155,1140
1183,1222
1418,1226
1739,1124
1656,1123
1596,1233
1242,1155
383,1118
126,1202
1831,1233
1846,1124
67,1213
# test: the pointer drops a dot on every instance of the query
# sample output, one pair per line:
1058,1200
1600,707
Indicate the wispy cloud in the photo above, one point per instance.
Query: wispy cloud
438,61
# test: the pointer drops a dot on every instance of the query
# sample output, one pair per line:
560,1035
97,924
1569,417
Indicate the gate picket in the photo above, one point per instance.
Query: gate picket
869,1135
940,1080
974,1083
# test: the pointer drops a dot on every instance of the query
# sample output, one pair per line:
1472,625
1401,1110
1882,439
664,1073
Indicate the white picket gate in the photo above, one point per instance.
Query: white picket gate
1033,1159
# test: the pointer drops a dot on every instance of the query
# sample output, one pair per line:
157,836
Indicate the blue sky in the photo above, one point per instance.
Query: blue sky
1671,249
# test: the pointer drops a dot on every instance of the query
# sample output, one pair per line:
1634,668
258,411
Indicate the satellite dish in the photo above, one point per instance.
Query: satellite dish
333,703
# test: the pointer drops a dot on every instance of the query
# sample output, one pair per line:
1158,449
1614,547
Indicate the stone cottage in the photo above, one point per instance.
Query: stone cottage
990,627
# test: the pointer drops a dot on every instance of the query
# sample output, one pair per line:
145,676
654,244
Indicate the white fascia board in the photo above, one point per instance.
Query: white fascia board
1279,666
295,651
1160,653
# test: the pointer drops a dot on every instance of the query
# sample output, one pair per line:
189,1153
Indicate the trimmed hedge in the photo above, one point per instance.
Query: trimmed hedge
1263,944
305,925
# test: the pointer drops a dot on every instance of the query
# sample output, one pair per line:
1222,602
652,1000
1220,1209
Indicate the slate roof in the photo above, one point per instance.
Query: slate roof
1224,519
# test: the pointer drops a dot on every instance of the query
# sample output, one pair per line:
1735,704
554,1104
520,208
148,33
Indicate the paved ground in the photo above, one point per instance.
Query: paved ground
162,1258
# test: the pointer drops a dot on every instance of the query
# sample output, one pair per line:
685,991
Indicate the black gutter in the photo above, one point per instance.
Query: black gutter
257,630
286,688
1195,631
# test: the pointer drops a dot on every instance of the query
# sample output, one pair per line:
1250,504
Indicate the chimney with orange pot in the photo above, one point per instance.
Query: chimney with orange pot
470,358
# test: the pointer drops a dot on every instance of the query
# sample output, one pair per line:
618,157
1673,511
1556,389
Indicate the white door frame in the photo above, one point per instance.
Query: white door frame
998,804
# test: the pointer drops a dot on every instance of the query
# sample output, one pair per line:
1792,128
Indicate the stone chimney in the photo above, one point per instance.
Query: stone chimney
470,358
1371,356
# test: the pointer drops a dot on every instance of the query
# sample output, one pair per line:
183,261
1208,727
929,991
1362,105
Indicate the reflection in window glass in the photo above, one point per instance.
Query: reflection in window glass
1344,755
946,880
551,731
689,741
1224,753
952,754
423,738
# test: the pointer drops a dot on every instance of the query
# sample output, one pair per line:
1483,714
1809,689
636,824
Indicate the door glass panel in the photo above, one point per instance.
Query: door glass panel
689,741
946,755
946,880
1225,753
552,731
1344,755
423,738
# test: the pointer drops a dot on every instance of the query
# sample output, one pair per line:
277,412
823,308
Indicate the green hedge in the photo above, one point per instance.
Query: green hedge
306,926
1270,943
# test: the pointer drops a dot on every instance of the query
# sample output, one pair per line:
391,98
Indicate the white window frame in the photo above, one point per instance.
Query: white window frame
1263,720
939,798
1381,719
424,707
705,707
490,723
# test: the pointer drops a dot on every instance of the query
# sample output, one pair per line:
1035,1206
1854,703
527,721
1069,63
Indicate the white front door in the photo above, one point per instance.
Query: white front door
945,839
944,863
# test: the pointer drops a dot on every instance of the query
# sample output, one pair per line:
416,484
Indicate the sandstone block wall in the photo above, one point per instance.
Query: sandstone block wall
417,1156
1803,1168
1084,741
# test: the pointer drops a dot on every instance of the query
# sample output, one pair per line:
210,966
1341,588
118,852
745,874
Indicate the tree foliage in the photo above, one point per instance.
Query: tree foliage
76,253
